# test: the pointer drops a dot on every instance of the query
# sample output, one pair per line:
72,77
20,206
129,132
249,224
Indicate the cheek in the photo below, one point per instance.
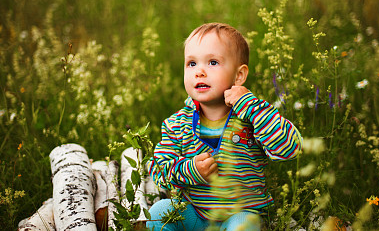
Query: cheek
187,83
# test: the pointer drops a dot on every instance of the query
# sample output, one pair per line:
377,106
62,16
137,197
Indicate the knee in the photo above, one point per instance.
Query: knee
156,211
243,221
251,221
159,207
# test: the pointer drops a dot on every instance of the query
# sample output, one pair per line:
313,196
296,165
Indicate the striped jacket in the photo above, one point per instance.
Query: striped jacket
254,132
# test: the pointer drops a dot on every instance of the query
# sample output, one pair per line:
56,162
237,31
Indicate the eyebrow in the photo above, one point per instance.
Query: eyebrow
207,56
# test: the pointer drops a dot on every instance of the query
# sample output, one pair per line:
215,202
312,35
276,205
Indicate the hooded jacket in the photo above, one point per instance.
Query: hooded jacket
254,132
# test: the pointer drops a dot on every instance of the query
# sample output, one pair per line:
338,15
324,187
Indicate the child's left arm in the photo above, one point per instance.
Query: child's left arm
278,136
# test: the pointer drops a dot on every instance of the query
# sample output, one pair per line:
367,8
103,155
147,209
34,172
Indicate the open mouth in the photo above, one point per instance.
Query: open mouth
201,86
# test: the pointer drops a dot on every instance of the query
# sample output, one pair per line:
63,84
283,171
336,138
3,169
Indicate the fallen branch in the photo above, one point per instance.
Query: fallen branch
42,220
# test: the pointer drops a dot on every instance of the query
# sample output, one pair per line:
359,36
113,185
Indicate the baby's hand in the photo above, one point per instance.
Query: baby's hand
233,94
206,165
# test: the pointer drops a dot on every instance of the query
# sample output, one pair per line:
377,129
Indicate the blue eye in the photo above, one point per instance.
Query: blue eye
191,64
213,63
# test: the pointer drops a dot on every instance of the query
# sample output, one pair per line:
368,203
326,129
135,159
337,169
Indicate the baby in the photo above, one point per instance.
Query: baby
216,147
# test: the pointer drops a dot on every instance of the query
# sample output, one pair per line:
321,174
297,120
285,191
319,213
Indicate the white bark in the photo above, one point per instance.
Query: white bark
152,189
107,175
113,189
126,173
43,219
101,192
74,188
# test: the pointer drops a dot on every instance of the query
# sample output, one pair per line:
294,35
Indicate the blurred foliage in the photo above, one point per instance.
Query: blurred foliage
86,72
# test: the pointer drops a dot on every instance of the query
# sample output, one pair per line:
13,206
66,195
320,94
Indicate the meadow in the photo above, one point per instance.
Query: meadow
88,71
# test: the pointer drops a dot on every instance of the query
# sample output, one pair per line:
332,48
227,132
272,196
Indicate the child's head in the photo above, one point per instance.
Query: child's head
227,32
216,58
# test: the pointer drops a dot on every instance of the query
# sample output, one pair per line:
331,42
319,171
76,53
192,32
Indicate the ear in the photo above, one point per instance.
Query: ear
241,76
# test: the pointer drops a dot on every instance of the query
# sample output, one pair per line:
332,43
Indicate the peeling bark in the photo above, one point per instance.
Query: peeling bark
74,188
101,204
43,219
107,174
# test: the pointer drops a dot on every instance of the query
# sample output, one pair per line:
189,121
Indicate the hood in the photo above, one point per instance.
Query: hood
192,103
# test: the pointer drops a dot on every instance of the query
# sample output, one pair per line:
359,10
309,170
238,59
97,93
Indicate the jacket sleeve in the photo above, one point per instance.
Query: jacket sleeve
168,167
278,137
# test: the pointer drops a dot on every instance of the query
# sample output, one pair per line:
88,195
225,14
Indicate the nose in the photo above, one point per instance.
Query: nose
200,72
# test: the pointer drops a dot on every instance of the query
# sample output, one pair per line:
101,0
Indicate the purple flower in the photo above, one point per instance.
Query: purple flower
330,100
317,93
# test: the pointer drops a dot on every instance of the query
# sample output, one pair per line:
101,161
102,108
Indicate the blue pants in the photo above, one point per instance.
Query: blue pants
242,221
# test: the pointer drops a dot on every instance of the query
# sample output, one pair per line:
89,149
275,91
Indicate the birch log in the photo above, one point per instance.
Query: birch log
101,204
107,175
126,174
74,188
43,219
152,189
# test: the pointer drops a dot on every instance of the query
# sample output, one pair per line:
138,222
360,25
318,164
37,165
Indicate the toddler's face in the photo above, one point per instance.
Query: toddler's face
210,68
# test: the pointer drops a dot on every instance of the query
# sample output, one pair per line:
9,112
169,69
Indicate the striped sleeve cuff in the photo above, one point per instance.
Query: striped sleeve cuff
241,107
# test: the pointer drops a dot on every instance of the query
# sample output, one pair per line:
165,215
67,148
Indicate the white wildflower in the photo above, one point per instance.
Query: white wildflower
277,104
329,178
362,84
311,104
343,94
23,35
307,170
100,58
374,43
322,202
13,115
369,31
118,100
313,145
359,38
298,105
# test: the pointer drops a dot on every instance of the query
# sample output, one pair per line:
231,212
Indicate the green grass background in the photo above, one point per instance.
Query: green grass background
124,68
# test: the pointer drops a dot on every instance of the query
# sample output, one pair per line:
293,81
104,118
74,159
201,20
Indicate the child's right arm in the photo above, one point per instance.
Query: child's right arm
169,166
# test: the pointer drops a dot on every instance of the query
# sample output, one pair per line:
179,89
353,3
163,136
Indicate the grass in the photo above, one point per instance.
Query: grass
124,68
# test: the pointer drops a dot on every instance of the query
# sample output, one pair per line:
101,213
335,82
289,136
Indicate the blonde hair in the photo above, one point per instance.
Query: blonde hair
233,34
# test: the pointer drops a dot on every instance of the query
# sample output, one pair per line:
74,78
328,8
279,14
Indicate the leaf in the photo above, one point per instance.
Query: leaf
135,143
136,177
129,193
151,197
145,160
131,161
136,210
130,138
143,130
117,216
120,209
147,214
129,186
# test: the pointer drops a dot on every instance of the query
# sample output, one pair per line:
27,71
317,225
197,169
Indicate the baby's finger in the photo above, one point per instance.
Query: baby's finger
203,156
227,93
213,168
208,162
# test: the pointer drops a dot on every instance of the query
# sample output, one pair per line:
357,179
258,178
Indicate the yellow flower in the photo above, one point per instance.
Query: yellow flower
373,200
22,89
343,54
